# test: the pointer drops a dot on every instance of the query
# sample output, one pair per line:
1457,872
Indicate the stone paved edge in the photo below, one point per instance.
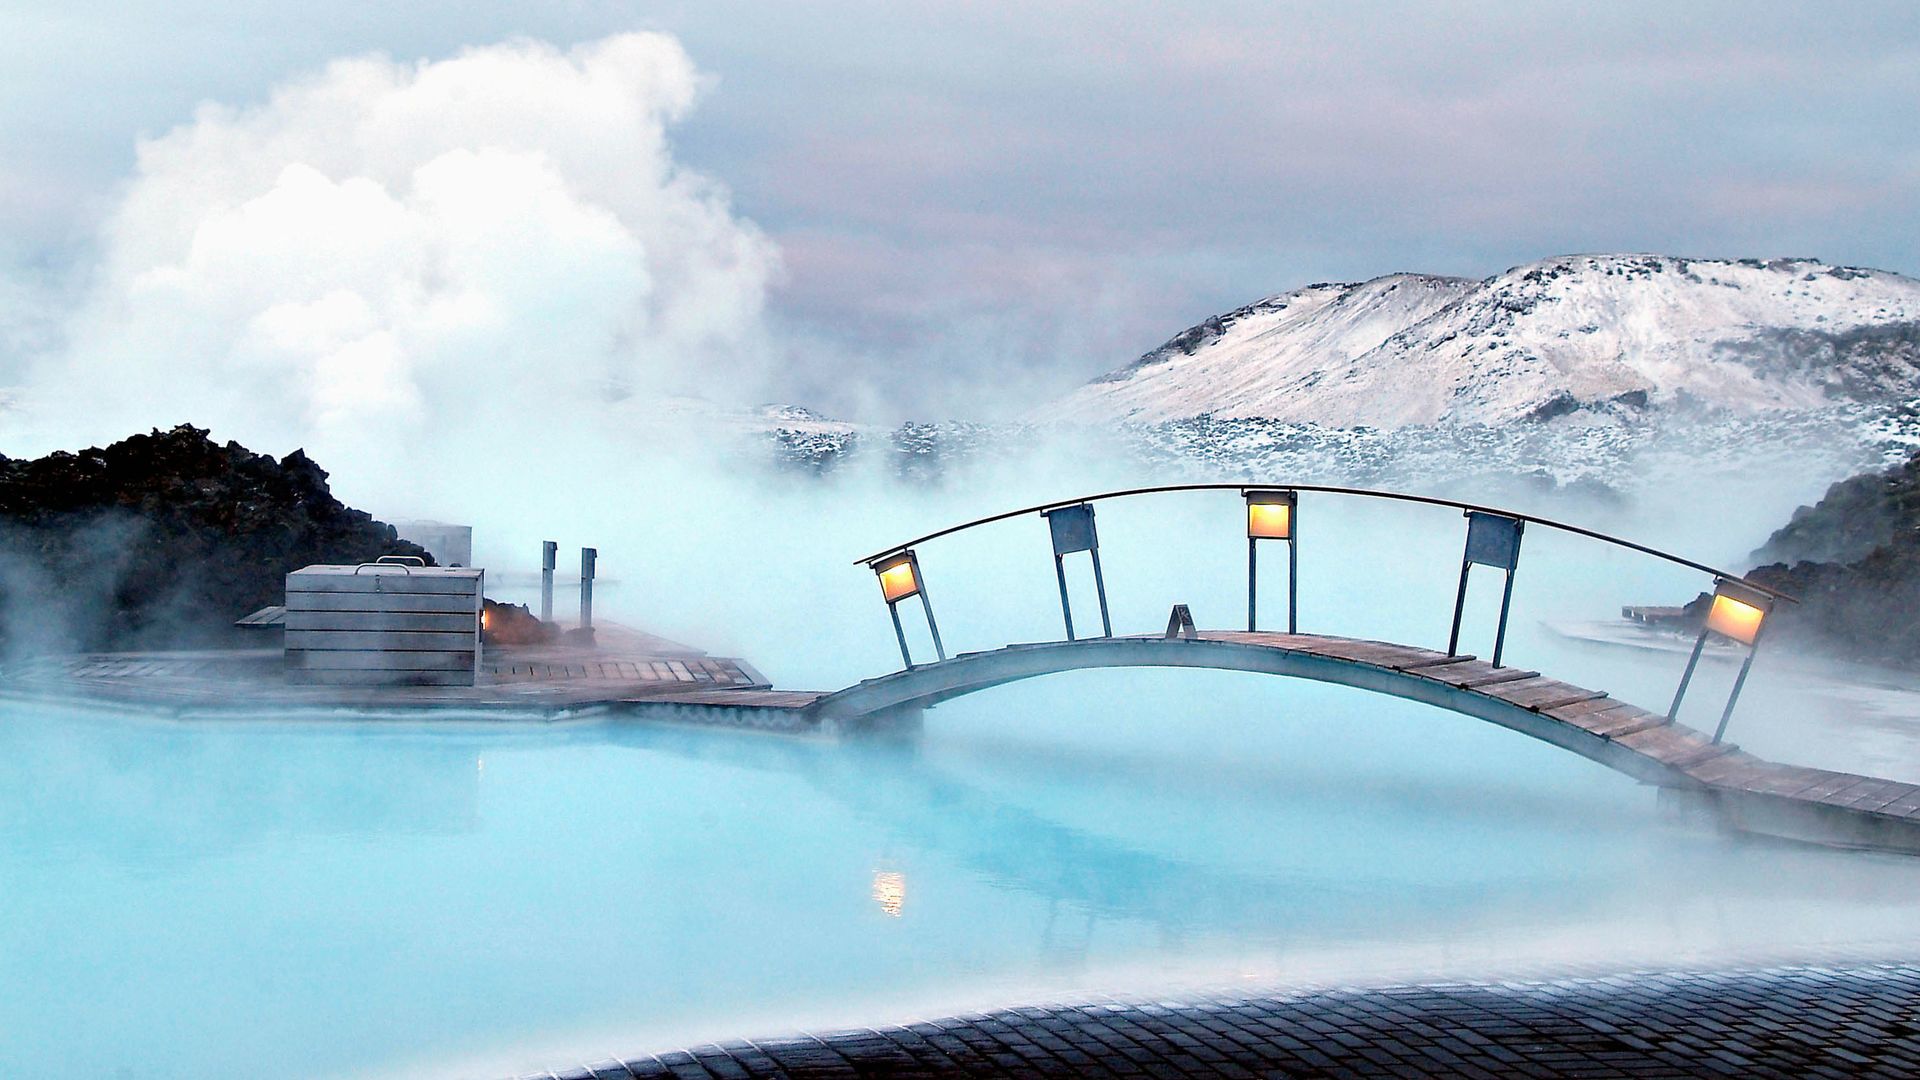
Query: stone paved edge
1852,1020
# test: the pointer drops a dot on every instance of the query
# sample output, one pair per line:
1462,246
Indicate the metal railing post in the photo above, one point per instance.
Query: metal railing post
1253,580
1459,604
1293,577
1739,681
1686,676
1100,589
1500,633
900,634
926,605
1066,608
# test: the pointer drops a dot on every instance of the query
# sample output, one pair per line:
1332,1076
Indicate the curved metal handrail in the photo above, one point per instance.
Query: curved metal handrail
1370,493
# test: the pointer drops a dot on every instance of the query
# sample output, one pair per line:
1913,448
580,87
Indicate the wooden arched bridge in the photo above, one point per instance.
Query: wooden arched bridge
632,673
1695,769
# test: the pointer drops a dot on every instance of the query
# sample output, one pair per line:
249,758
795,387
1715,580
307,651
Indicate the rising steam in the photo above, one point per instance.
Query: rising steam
394,263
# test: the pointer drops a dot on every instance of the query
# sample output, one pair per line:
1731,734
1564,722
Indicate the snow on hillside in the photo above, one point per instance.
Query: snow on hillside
1609,334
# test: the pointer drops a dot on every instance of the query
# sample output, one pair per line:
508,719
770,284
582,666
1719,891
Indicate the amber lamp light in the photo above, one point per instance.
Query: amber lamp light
899,577
1270,515
1738,612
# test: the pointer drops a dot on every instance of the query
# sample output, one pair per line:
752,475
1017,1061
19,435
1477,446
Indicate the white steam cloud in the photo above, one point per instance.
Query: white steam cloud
388,263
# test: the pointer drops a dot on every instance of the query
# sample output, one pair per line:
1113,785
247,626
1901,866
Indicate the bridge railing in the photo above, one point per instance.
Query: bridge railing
1738,611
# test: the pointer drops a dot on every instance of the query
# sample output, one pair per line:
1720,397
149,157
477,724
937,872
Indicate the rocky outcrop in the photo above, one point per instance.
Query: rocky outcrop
1853,562
162,540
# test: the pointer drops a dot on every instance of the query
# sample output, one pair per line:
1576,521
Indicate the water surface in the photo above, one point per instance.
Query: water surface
355,898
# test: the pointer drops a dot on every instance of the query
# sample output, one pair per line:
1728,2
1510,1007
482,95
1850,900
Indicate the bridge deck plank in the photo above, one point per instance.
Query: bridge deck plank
1541,693
1471,675
1574,711
1668,743
1623,721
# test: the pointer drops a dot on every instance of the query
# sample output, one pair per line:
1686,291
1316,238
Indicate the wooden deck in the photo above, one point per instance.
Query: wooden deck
626,668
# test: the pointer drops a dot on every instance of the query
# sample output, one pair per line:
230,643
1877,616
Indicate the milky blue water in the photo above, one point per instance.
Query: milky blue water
352,898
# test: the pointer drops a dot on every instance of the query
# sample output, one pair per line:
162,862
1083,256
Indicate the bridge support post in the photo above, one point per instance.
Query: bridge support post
1100,590
1071,528
1293,585
1500,632
1253,581
1459,605
1686,677
1739,681
1066,607
900,635
1492,540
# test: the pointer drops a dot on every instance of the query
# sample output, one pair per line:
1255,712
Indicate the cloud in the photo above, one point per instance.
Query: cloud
383,258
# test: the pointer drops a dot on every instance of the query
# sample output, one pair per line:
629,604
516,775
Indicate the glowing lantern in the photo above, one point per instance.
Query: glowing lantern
1270,516
899,576
1737,613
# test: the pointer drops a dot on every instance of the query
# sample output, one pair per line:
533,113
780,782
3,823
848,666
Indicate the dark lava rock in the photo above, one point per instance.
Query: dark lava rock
162,540
1855,517
515,624
1853,562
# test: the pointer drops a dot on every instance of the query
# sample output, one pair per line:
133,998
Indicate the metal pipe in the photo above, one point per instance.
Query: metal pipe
1459,603
1253,579
1686,676
1369,493
900,634
587,558
933,627
1100,589
1293,576
1500,634
1066,609
1739,681
549,553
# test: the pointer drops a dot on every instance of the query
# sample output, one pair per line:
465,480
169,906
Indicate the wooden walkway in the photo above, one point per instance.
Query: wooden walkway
636,675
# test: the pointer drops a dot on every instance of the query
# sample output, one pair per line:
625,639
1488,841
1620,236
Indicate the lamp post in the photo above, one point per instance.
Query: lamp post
899,576
1271,515
1492,540
1072,530
1739,612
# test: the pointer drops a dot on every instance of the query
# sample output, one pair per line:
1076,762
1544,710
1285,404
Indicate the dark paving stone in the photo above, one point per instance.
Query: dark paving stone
1776,1023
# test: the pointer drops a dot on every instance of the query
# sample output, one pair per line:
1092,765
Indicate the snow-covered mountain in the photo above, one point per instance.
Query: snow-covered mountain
1581,333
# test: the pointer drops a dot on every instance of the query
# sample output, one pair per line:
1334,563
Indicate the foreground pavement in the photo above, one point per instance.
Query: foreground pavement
1852,1020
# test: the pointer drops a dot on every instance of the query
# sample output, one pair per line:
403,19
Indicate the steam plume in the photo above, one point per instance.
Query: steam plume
386,262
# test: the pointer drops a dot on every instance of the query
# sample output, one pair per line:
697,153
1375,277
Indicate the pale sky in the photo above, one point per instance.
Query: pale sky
981,204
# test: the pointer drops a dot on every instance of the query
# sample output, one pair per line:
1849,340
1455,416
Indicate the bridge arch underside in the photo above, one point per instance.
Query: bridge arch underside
1714,781
922,687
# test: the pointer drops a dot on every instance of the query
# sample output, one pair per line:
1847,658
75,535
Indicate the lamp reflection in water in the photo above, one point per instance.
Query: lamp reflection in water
890,891
1738,612
900,579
